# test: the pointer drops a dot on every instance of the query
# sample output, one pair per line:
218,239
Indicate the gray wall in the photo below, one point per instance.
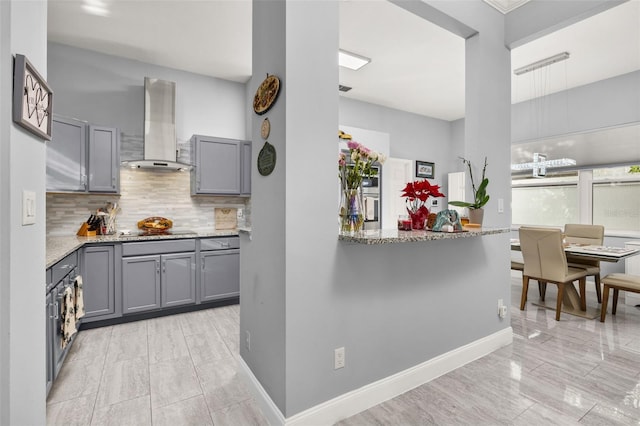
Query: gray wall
606,103
23,29
537,18
412,136
262,259
109,90
387,305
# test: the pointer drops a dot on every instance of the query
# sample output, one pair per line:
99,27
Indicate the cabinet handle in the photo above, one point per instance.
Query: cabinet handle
56,310
157,267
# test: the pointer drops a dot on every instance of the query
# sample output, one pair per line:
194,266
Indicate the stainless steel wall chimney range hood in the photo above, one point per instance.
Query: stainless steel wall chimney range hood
160,147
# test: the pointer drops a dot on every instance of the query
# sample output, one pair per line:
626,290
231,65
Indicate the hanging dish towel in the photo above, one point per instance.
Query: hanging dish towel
68,316
78,298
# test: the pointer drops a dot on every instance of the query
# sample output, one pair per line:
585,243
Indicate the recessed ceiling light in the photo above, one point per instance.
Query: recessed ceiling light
351,60
95,7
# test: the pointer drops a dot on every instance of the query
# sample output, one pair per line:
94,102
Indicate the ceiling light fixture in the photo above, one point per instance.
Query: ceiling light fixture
542,63
96,7
351,60
540,164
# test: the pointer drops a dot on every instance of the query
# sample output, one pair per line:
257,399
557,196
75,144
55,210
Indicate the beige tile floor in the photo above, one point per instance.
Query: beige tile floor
181,370
174,370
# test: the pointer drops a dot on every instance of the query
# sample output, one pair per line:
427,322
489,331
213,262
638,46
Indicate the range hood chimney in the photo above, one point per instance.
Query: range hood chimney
160,147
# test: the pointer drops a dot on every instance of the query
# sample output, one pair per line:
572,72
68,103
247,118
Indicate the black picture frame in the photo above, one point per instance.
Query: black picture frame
425,169
32,99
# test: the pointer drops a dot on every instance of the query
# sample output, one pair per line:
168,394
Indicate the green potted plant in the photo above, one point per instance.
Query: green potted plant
480,196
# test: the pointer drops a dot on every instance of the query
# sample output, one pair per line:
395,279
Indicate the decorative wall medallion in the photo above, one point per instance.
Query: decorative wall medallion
267,159
266,94
265,129
32,99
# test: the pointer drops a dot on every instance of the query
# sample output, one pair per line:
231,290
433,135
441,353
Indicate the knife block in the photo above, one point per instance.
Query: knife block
84,231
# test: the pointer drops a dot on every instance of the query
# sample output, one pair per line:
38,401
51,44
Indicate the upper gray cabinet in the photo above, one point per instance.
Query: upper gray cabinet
82,158
66,155
246,169
218,166
104,159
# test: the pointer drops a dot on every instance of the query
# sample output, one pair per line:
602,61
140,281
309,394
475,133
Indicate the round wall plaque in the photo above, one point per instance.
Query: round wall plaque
265,129
267,159
266,94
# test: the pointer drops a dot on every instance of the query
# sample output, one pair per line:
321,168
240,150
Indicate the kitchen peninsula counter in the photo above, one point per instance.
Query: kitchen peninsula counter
393,236
60,246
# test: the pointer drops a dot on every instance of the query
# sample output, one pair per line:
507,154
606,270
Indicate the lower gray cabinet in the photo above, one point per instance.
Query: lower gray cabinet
99,282
178,279
140,284
220,274
49,339
158,281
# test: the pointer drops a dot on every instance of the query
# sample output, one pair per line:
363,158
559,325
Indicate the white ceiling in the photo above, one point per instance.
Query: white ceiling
425,76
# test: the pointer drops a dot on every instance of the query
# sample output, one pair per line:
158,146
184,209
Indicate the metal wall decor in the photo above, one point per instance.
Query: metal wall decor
266,94
32,99
265,128
267,159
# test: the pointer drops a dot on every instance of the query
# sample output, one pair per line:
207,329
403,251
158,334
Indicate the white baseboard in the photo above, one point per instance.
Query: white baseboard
350,403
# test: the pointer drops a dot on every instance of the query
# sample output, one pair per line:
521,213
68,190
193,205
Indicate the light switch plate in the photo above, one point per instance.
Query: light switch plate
28,207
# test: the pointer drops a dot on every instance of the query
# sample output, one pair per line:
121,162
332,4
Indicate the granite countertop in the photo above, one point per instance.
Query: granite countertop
60,246
391,236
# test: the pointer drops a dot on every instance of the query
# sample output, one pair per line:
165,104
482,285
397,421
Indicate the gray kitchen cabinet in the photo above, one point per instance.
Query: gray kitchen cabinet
158,274
49,339
99,276
219,268
217,166
140,284
246,169
104,159
178,279
66,155
82,158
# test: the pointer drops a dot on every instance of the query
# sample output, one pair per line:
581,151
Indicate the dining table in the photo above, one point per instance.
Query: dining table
571,297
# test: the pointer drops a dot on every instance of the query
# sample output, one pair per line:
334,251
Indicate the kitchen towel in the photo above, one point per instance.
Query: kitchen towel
68,325
78,298
369,206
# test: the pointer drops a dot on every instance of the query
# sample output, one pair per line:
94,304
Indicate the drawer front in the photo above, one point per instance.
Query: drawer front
158,247
66,265
219,243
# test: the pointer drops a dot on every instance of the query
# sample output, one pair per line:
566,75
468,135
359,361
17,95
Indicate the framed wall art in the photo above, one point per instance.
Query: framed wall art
425,169
32,99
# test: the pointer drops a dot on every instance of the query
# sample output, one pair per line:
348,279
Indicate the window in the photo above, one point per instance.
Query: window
552,201
616,198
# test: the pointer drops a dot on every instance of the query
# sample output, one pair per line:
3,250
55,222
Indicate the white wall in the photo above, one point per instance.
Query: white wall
23,29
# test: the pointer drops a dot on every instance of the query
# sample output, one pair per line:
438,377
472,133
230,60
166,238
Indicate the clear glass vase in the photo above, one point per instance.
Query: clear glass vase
351,214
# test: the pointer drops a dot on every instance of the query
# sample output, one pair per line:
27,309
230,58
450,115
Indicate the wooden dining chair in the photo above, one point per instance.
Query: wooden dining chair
617,282
545,261
585,234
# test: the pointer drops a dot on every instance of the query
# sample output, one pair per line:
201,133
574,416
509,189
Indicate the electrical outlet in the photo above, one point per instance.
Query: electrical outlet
502,309
338,358
247,340
500,205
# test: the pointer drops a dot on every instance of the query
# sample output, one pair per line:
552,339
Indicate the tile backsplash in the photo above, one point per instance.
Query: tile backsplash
143,193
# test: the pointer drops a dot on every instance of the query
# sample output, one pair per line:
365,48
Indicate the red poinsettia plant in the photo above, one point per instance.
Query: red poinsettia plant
417,193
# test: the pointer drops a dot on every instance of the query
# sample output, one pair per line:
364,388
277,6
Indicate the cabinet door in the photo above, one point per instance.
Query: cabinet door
220,274
140,284
246,168
49,340
66,156
98,280
217,166
104,159
178,279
